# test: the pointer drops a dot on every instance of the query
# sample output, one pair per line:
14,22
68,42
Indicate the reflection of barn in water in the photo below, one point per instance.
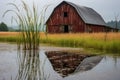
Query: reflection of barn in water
69,17
66,63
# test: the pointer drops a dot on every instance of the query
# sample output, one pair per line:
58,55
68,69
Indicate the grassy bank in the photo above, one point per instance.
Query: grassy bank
9,36
97,41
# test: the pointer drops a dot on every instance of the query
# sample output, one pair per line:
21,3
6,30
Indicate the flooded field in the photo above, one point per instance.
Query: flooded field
88,67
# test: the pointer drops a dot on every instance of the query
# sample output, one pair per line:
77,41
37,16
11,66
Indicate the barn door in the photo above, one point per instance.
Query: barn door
66,29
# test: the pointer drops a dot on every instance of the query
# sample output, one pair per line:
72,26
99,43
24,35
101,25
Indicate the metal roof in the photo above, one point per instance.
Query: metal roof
88,15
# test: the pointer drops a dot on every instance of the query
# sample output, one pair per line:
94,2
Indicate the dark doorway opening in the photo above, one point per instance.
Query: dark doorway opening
66,30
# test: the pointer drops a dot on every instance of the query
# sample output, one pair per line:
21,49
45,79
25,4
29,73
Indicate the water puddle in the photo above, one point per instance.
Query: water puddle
56,65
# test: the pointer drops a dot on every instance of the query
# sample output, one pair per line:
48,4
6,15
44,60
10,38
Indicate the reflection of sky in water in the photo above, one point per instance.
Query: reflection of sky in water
107,69
48,69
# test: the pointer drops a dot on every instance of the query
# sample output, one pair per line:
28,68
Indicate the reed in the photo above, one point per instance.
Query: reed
28,40
30,23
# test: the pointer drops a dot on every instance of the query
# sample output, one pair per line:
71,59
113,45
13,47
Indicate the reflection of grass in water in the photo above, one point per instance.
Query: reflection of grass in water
29,66
30,23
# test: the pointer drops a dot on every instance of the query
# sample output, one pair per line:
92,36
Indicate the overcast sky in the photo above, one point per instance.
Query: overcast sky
106,8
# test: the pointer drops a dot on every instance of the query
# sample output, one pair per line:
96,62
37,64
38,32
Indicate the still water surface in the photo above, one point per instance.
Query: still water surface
107,69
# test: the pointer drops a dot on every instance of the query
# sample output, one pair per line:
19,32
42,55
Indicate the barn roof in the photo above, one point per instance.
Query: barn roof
88,15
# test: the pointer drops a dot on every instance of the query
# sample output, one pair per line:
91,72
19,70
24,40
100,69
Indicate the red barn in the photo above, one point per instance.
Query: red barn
69,17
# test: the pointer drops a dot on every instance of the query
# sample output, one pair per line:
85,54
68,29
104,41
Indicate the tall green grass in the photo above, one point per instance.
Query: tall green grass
94,41
28,40
30,23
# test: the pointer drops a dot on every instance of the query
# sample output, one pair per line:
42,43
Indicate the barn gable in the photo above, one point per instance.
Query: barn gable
88,15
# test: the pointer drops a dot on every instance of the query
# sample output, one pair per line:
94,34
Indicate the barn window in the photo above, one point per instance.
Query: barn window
65,14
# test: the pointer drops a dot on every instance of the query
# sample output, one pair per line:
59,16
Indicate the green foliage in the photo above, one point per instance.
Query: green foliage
100,45
8,39
3,27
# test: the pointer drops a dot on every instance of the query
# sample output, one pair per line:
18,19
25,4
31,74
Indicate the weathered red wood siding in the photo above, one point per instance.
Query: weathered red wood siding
57,20
75,22
94,28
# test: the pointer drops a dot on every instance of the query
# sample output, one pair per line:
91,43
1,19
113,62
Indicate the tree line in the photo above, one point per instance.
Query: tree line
114,24
3,27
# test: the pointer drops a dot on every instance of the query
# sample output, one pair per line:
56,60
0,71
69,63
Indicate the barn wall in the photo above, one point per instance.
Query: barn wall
94,28
57,20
